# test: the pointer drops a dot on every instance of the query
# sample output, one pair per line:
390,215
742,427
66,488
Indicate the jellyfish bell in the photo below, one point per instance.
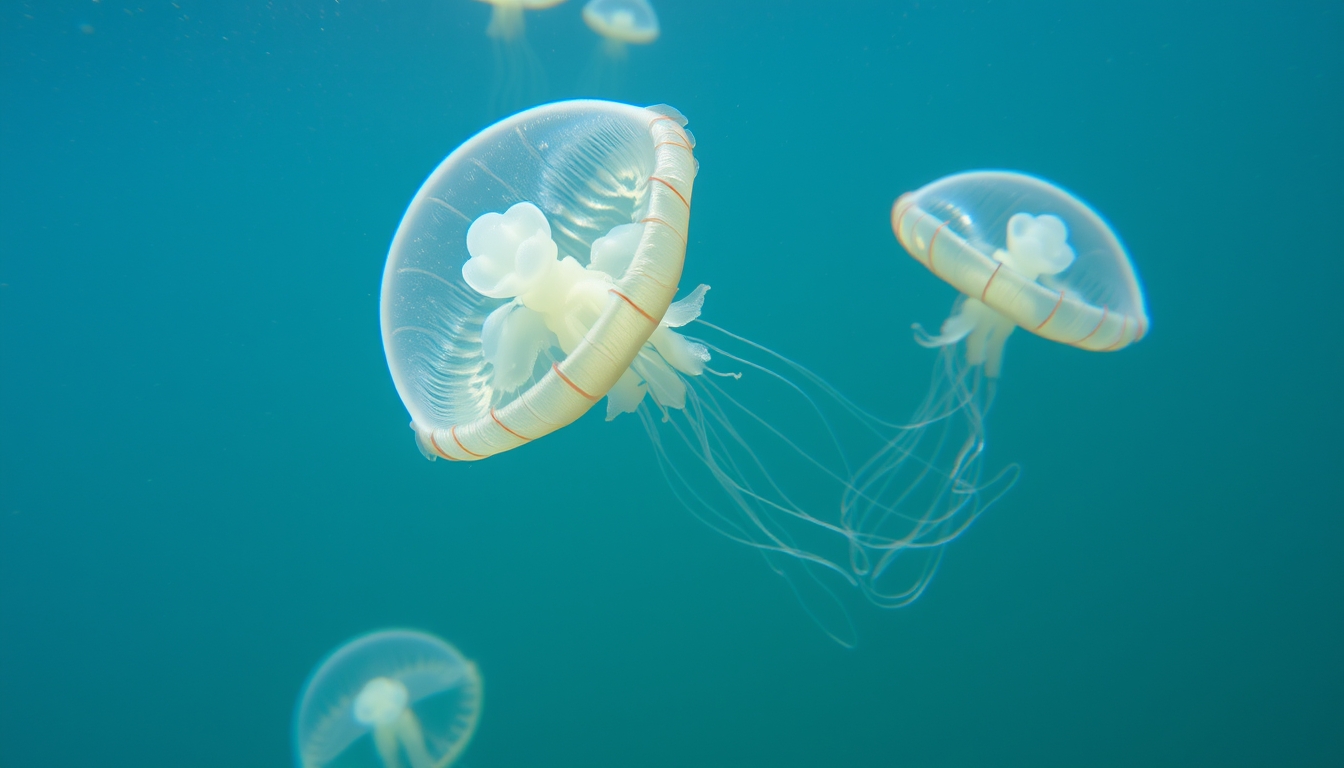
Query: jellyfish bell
519,78
390,698
499,320
621,23
1023,253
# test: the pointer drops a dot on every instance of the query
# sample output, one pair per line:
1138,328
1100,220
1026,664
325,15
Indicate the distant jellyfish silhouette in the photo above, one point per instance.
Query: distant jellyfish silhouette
1023,253
388,699
519,79
534,274
620,23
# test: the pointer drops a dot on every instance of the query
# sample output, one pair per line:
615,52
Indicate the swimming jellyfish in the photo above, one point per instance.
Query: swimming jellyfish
388,699
534,274
620,23
519,78
1023,253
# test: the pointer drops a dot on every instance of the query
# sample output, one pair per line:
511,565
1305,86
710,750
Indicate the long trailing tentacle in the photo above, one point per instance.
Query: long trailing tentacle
785,479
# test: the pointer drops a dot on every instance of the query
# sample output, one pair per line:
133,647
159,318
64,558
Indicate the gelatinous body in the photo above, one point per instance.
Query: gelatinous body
1024,253
536,196
621,23
388,699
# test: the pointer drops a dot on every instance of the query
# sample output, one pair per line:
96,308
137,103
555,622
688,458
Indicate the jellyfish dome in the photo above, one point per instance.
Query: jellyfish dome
532,268
624,21
386,696
1024,253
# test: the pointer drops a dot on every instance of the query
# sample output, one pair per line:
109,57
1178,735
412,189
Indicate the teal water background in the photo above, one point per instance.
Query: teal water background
207,483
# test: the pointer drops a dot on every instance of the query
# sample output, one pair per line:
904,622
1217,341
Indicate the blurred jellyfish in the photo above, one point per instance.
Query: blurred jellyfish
519,78
620,23
1022,252
388,699
534,274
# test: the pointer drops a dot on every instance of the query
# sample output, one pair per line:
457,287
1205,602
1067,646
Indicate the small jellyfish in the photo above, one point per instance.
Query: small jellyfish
519,78
620,23
1023,253
413,696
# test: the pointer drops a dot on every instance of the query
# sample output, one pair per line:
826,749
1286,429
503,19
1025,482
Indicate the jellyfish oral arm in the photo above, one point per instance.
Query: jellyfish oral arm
557,302
411,737
984,331
1037,245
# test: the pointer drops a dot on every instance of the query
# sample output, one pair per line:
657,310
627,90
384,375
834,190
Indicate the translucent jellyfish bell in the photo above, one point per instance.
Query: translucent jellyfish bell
388,699
621,23
498,326
1024,253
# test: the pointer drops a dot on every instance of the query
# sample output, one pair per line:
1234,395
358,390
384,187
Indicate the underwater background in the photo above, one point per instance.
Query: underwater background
207,482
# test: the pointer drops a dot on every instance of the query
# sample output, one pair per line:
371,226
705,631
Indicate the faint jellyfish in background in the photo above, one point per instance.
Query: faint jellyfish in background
388,699
620,23
534,274
519,78
1023,253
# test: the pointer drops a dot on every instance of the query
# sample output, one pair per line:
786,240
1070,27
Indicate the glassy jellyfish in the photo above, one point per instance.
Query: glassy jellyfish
1023,253
519,78
620,23
534,274
389,699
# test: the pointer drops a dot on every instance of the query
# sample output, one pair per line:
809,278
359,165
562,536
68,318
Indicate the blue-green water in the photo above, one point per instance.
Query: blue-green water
206,480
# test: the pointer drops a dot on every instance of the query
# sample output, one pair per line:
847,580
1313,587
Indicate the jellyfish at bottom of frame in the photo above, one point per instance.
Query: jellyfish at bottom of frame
534,274
388,699
519,78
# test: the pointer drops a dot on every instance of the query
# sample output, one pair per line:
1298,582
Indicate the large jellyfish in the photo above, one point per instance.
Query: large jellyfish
534,274
388,699
519,78
1023,253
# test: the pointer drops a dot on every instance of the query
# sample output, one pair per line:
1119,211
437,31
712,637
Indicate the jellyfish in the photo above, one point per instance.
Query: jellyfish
1023,253
537,272
620,23
519,78
414,697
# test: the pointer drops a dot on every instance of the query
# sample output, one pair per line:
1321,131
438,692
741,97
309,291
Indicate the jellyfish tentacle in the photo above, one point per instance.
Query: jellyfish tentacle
412,739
